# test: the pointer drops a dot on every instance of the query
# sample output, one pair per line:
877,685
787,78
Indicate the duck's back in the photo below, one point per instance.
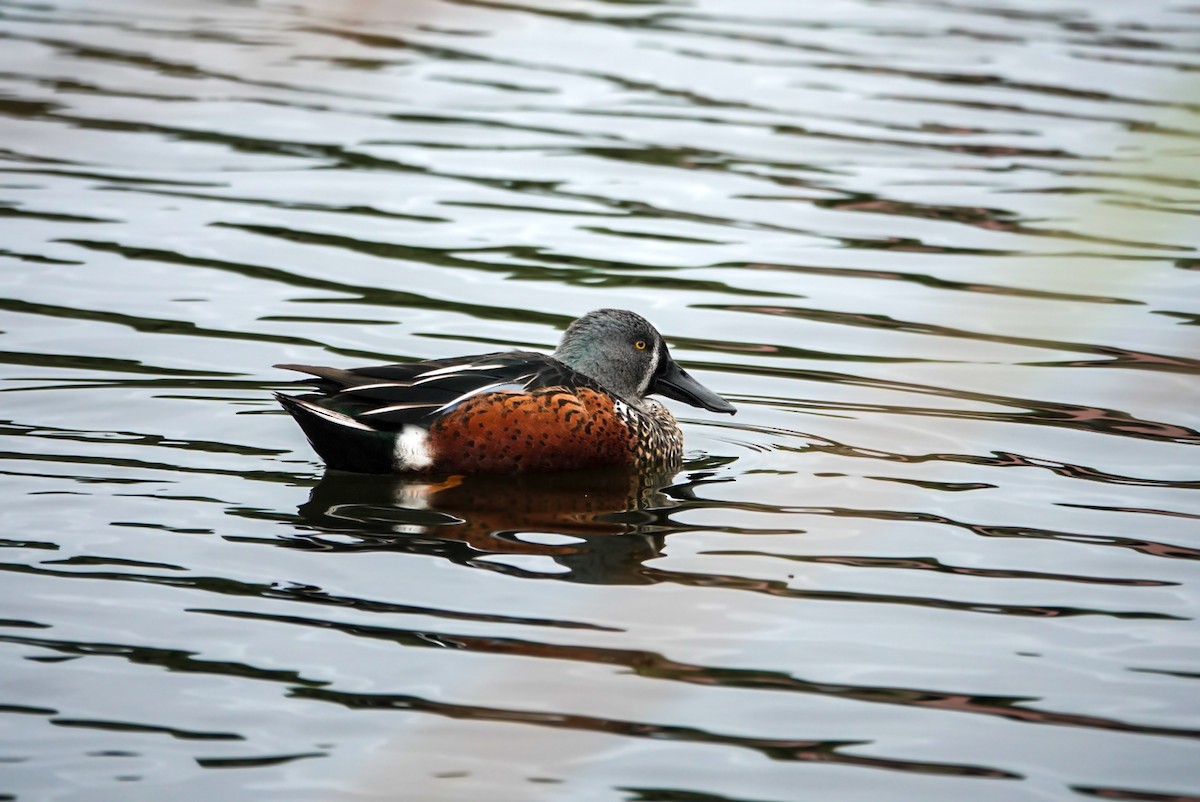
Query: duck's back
504,412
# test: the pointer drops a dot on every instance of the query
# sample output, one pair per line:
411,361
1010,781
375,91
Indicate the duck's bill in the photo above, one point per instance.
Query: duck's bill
674,382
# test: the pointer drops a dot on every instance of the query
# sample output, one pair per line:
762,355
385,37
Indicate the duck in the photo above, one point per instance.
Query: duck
587,405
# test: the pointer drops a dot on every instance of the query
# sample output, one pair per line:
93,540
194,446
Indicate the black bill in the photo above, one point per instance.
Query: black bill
674,382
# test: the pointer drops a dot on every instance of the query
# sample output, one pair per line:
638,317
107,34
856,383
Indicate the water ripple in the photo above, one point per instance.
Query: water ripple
918,229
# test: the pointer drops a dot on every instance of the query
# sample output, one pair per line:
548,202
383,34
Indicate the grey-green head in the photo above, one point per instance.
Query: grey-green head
623,352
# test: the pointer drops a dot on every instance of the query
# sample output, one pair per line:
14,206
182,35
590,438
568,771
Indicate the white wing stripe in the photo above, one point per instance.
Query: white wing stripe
455,369
375,386
394,408
335,417
470,393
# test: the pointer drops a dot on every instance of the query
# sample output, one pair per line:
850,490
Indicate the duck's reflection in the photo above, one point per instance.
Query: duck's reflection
600,526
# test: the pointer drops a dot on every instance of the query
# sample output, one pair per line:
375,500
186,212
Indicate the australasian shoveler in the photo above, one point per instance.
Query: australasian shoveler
585,406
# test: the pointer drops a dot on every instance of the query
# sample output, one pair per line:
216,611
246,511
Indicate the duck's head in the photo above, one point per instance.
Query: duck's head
623,352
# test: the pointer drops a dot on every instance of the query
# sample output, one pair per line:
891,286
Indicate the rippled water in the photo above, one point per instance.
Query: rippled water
942,254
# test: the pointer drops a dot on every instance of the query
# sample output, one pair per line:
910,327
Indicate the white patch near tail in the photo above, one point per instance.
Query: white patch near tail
412,449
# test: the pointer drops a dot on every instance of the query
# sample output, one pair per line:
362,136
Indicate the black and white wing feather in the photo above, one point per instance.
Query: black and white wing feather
389,397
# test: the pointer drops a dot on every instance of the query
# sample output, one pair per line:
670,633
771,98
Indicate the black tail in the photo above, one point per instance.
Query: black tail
341,441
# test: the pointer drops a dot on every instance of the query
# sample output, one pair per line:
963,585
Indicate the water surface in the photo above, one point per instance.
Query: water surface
942,255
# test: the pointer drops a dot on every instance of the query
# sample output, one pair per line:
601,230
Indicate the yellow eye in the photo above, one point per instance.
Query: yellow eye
640,345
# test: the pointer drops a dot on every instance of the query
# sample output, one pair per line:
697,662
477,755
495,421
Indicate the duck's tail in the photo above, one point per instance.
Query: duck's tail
341,441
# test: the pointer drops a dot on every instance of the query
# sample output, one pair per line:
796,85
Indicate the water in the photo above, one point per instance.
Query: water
943,256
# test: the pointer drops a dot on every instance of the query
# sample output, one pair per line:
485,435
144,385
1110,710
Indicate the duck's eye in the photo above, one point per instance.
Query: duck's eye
640,345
